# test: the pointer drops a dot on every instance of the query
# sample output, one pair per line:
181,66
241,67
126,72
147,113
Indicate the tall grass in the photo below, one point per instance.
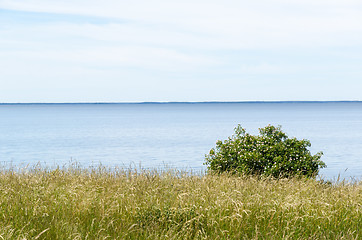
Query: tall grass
101,203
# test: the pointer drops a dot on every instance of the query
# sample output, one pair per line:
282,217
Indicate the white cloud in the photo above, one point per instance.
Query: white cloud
214,24
182,46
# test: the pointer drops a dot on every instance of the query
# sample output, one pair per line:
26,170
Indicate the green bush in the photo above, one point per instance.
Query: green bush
271,153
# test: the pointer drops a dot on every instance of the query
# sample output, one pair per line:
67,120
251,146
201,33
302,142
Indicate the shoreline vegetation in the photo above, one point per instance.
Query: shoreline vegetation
73,202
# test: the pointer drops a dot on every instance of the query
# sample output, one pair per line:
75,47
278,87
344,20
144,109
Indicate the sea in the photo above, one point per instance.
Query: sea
172,135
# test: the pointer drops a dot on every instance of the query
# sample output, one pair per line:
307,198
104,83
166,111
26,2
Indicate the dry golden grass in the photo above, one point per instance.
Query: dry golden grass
100,203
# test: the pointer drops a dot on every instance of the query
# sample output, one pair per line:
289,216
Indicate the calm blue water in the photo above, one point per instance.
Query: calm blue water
177,135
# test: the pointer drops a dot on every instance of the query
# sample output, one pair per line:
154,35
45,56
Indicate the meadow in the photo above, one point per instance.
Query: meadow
101,203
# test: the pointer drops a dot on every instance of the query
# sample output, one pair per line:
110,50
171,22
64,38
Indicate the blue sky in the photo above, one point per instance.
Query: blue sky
135,51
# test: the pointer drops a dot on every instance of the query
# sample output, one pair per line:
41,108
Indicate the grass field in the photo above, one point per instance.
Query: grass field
100,203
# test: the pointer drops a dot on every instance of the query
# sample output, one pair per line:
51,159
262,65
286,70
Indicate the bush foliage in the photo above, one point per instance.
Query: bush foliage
271,153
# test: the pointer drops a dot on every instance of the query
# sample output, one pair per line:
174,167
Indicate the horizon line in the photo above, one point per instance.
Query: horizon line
181,102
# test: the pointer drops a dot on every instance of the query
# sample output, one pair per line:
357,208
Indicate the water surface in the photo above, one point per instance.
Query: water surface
173,134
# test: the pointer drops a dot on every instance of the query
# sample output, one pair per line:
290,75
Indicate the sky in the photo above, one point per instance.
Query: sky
189,50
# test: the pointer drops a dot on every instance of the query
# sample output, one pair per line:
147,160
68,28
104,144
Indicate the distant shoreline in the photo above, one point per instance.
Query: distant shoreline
205,102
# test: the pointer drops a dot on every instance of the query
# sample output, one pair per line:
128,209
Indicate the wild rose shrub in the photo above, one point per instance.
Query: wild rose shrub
271,153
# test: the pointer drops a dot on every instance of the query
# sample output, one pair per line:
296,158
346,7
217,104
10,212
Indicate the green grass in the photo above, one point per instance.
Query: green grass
98,203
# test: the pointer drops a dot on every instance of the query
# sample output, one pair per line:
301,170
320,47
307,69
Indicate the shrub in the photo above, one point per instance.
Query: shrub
271,153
